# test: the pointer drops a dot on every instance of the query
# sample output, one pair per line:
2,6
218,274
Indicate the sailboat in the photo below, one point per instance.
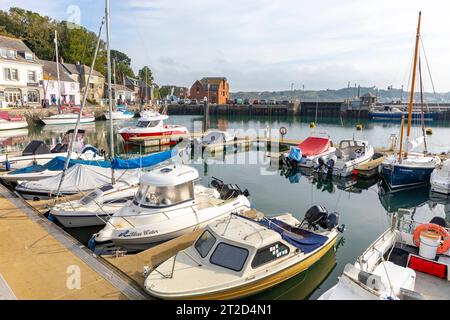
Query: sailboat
64,118
410,169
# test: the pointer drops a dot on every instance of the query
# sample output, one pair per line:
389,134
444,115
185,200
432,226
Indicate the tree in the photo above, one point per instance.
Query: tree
146,75
123,65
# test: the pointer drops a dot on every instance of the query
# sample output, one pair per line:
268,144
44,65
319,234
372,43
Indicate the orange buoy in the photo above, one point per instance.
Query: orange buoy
432,227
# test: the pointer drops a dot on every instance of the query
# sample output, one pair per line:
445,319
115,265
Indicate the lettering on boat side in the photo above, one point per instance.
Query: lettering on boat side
225,309
129,233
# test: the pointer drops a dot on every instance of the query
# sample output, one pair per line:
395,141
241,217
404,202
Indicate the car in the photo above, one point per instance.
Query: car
230,101
256,101
181,101
194,101
246,101
272,101
262,101
285,102
187,101
238,101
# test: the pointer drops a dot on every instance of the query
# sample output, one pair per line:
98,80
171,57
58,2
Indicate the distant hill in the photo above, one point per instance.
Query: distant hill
339,95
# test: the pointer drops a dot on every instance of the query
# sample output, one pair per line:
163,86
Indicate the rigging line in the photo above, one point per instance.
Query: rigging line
428,67
421,105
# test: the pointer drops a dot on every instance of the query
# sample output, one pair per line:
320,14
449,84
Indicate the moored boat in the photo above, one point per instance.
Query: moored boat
66,118
119,115
395,114
440,178
152,126
236,257
167,205
10,123
309,151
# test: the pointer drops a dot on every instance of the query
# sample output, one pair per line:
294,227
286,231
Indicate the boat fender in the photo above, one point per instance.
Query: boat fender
92,243
445,243
332,221
341,228
7,165
51,217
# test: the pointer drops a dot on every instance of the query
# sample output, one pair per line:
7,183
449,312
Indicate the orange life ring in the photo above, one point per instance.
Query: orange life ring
445,243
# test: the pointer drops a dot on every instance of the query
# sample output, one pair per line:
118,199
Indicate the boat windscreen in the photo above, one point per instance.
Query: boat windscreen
163,196
204,243
228,256
90,197
147,124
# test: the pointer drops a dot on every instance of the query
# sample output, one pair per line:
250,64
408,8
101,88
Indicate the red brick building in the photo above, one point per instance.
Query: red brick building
216,89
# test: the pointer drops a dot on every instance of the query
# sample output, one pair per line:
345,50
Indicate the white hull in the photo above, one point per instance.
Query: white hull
66,120
82,219
34,176
166,225
345,168
11,125
440,178
312,161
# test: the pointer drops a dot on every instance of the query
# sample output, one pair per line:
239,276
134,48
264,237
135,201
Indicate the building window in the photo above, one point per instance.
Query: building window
33,96
11,74
51,85
12,96
28,56
71,98
11,54
91,85
72,85
3,53
32,76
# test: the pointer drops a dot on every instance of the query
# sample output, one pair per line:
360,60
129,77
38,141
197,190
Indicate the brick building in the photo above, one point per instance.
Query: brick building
216,89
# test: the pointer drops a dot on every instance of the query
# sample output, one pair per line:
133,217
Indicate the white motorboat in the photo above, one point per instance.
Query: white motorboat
309,151
153,126
10,123
213,137
236,257
39,153
66,118
78,178
409,261
350,154
95,208
440,178
149,113
168,205
119,115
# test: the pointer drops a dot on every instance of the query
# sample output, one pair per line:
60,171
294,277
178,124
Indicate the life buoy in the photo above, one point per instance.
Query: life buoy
445,243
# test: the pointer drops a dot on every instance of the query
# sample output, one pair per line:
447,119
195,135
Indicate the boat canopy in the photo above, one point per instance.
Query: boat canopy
170,175
36,147
305,240
313,146
143,162
79,178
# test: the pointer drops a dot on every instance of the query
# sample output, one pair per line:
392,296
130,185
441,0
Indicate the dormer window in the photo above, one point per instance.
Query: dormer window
11,53
28,56
3,53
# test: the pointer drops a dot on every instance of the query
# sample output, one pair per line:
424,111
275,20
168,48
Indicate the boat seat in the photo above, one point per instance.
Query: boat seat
399,277
339,153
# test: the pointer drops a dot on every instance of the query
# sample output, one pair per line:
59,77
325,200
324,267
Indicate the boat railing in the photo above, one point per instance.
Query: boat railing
373,250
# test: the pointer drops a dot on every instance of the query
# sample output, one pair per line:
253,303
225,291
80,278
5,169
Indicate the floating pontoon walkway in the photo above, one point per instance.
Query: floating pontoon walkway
38,260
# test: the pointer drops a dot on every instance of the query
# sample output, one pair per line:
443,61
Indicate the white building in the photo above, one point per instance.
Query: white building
69,89
20,74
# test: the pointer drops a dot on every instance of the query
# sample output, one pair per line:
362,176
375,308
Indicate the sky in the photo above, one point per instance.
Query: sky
268,44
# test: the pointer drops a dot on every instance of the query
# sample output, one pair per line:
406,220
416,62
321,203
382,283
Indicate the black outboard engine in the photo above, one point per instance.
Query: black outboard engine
330,165
318,216
228,191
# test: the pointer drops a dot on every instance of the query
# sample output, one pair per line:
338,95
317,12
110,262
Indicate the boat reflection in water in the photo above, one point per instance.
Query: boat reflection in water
405,198
304,284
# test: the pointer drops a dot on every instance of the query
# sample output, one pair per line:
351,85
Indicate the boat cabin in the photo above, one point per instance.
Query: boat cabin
152,122
166,186
351,149
237,245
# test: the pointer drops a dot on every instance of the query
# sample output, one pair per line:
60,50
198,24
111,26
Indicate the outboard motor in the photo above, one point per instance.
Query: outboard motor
228,191
318,216
330,165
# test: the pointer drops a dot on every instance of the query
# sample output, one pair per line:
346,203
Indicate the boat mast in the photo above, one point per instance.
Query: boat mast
413,80
57,71
115,84
108,56
421,107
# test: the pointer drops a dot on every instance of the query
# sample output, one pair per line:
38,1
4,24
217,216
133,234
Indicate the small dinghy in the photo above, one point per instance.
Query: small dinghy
168,205
309,151
349,155
95,208
409,261
66,118
79,178
213,137
440,178
236,257
120,114
10,123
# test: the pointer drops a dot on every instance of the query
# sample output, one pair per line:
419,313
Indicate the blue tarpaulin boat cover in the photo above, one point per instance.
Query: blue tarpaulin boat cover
143,162
305,240
57,163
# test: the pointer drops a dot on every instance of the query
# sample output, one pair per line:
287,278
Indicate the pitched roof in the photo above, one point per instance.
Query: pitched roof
80,69
14,44
50,71
213,80
119,87
368,95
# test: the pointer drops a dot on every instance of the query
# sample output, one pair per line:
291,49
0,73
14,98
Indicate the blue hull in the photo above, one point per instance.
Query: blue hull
398,176
379,115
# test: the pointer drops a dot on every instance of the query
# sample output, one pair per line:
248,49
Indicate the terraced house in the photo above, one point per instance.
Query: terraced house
215,89
20,74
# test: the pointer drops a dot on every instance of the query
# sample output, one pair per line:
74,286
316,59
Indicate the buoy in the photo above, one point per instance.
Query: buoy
429,131
359,127
312,124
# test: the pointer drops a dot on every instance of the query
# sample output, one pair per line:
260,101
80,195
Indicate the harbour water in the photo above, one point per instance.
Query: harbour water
365,207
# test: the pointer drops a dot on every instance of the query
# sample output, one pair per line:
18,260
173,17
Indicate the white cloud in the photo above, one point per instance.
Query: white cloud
266,45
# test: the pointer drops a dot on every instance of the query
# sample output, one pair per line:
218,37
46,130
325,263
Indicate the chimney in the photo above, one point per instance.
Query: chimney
62,60
78,63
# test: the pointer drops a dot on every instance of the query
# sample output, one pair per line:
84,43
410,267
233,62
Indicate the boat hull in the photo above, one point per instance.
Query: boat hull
428,116
81,220
119,116
66,120
11,125
130,134
265,283
400,176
